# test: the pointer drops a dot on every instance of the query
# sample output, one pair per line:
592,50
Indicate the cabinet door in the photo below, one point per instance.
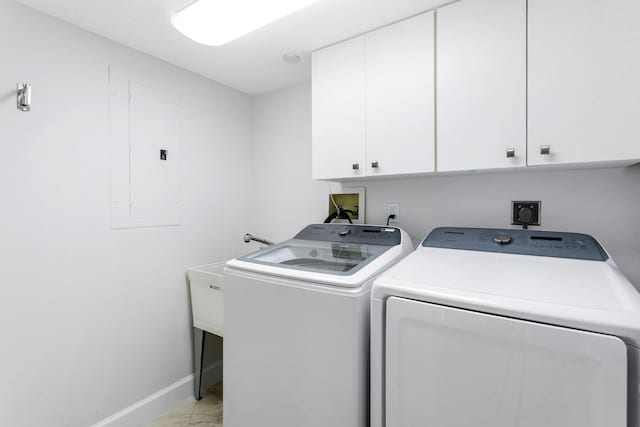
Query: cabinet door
481,84
584,84
338,91
400,97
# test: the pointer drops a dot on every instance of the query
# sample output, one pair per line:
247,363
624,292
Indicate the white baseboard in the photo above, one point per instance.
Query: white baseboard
148,409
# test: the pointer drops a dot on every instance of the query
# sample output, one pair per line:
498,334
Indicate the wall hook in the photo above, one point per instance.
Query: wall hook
24,97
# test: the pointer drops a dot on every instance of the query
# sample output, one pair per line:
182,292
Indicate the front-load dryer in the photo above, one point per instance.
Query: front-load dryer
505,328
296,344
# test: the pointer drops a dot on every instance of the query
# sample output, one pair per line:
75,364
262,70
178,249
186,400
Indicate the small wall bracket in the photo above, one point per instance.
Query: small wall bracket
24,97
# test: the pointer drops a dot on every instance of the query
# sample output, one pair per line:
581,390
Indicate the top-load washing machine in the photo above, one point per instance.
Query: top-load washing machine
505,328
296,345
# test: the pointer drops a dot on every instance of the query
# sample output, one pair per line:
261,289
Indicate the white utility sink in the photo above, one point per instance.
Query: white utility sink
206,284
207,305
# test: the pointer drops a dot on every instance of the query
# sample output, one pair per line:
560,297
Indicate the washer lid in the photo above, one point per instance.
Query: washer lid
324,257
333,254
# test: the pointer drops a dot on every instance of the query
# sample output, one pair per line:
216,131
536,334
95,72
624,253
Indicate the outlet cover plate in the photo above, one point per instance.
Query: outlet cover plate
535,207
393,209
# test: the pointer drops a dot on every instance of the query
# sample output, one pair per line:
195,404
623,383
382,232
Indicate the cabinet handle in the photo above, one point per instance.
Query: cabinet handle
355,166
545,150
375,164
511,153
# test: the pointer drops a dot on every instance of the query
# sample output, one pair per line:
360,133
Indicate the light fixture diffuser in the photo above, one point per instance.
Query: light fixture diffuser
216,22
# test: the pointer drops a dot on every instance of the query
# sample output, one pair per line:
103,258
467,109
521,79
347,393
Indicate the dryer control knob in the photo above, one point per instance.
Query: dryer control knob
502,238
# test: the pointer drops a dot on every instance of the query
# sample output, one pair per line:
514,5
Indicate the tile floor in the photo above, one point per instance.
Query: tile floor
204,413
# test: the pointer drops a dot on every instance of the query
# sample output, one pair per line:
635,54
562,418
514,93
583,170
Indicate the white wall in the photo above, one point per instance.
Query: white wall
601,202
94,319
286,199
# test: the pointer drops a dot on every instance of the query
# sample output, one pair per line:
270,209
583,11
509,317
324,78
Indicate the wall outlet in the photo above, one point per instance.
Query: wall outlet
525,212
393,209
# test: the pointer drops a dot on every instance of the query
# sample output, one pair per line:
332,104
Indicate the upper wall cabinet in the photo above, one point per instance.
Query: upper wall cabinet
584,84
373,103
400,97
338,117
481,84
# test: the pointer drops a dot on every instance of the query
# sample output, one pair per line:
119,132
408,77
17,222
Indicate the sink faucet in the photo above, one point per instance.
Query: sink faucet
249,237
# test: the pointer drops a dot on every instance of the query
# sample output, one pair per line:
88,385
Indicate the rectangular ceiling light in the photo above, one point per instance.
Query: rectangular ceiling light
216,22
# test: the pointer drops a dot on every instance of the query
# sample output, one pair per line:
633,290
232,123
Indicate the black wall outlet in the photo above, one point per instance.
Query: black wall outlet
525,212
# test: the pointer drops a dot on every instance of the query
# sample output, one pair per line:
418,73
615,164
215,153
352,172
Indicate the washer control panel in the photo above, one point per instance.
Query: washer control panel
522,242
352,233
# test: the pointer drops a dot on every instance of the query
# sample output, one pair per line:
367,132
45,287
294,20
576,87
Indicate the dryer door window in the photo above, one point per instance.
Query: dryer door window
458,368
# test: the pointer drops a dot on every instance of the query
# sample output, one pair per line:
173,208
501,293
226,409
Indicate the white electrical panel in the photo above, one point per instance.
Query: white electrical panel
144,154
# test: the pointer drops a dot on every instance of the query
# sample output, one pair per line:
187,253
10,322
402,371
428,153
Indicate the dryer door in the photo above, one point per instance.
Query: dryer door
458,368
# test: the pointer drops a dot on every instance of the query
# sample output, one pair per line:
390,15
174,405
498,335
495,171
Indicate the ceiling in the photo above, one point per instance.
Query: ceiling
253,63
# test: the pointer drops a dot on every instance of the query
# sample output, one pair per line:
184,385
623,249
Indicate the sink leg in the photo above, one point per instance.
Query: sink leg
198,355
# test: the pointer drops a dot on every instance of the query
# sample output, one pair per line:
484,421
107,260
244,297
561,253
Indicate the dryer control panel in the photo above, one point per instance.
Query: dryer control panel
522,242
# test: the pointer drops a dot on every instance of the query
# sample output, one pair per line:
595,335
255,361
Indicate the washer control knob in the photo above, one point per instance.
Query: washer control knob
502,238
344,232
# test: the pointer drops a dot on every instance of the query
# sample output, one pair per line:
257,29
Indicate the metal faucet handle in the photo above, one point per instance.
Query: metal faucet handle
250,237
